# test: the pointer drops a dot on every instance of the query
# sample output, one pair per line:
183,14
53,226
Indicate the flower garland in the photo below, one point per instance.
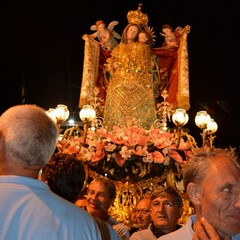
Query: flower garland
128,151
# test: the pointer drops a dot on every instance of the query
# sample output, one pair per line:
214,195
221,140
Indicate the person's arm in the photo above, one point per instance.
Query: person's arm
205,231
106,37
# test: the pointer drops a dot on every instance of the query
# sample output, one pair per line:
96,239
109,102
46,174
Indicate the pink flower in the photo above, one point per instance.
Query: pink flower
119,159
157,157
162,144
175,155
99,153
132,140
102,132
125,152
71,150
143,140
85,154
110,147
183,145
78,139
140,151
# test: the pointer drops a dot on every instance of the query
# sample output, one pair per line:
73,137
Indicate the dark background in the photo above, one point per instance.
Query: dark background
42,51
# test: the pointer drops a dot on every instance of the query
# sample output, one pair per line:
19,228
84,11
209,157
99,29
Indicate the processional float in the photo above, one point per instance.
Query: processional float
139,158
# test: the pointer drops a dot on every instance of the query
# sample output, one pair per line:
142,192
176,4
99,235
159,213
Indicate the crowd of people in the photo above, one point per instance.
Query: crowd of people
39,189
42,189
29,209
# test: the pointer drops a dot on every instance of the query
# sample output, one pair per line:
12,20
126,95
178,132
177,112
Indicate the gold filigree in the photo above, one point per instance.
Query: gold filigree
129,193
137,17
130,93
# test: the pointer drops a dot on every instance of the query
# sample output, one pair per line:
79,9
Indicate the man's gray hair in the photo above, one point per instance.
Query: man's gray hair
198,165
29,135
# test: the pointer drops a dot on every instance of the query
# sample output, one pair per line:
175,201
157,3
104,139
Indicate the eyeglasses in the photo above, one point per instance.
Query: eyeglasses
142,211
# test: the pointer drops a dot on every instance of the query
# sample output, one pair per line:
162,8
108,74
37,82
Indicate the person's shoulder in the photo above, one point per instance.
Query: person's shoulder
176,235
236,237
80,213
86,226
113,233
143,234
185,232
112,221
60,206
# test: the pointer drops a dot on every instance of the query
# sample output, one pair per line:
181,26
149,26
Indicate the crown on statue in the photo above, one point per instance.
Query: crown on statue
137,17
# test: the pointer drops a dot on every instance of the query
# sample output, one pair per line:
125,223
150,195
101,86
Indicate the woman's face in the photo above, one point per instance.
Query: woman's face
132,32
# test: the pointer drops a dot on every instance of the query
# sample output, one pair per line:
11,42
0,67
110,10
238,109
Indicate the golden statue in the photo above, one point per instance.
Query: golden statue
130,90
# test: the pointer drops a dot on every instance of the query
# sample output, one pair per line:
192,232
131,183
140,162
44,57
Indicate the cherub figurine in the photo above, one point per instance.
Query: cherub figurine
106,35
172,37
147,36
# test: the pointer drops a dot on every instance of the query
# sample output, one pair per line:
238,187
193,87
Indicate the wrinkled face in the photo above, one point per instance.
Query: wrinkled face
165,213
98,200
132,32
220,197
142,37
142,213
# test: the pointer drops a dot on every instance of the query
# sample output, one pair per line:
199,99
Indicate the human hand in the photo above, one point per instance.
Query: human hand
205,231
122,230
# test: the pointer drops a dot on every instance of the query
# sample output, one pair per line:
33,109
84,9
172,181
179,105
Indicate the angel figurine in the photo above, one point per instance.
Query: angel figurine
171,38
106,35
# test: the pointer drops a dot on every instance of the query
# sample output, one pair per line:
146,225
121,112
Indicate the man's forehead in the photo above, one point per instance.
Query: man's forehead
222,166
162,199
96,186
143,203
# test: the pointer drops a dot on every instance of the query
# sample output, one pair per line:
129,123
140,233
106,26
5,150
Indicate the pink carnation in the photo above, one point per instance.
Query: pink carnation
157,157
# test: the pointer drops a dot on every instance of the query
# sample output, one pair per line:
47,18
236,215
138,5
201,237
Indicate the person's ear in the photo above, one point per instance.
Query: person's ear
193,192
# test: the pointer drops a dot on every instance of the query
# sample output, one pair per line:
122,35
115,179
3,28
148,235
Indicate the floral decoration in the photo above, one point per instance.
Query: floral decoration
128,152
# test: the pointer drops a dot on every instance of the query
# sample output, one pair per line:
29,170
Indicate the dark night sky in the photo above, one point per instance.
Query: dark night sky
42,47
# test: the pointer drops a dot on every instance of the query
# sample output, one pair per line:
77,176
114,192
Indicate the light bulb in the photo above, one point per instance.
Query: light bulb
87,113
180,117
202,119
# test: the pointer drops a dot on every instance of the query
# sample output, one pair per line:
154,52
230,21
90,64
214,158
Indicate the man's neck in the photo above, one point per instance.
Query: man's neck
17,170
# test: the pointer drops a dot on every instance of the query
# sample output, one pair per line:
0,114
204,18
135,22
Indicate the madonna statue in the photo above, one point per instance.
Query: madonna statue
130,91
132,75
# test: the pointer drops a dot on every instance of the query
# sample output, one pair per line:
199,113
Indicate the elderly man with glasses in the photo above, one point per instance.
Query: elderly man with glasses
142,213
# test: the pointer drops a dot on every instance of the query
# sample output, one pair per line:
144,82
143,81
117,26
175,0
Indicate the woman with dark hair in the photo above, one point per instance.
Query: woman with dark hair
65,175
